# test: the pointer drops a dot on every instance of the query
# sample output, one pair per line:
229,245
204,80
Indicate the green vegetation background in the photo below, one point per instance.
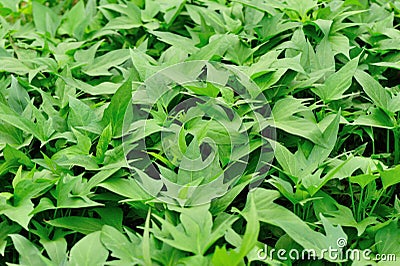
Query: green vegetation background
328,69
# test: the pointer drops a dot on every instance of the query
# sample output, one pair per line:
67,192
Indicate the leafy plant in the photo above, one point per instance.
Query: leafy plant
199,132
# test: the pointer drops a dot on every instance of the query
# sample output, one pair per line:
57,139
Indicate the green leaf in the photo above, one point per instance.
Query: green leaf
18,97
13,155
252,228
269,27
89,251
112,216
196,233
178,41
14,66
375,117
220,204
395,65
320,153
101,65
13,118
46,20
172,9
363,180
126,251
71,193
29,253
390,177
24,189
5,231
102,144
56,249
224,257
285,118
301,6
146,240
297,229
291,164
131,17
388,239
116,110
325,55
79,224
339,214
337,83
216,48
128,188
374,90
73,20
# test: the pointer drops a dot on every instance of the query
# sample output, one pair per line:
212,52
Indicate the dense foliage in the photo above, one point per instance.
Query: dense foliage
71,195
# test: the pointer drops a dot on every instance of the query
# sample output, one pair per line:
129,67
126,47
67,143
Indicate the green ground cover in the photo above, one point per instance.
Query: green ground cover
199,132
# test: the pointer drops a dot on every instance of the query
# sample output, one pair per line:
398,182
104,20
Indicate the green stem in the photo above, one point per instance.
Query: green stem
396,146
376,202
373,141
391,192
352,198
388,145
306,211
359,217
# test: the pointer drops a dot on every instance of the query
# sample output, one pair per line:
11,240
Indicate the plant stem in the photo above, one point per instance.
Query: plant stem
359,216
387,146
376,202
373,141
396,136
352,198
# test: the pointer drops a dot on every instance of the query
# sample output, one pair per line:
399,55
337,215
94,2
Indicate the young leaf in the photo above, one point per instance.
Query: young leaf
337,83
115,112
103,143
